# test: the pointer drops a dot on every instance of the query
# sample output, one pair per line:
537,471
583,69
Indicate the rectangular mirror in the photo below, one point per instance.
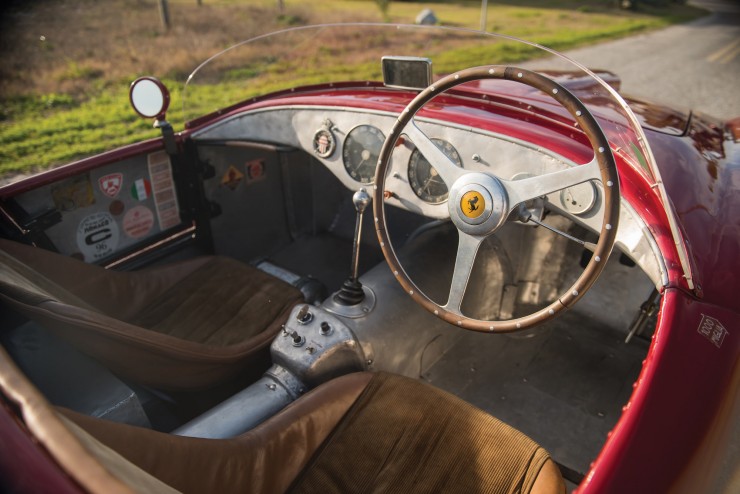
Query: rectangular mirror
407,72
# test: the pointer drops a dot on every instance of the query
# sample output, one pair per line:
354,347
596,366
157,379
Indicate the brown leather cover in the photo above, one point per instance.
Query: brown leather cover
264,460
408,437
187,325
358,433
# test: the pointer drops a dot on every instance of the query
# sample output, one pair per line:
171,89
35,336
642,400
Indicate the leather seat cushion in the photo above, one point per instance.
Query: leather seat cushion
358,433
185,325
407,437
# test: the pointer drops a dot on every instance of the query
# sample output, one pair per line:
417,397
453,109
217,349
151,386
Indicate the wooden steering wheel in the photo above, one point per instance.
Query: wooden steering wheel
479,203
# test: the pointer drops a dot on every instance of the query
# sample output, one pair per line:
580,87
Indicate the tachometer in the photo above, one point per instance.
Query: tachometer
360,152
424,179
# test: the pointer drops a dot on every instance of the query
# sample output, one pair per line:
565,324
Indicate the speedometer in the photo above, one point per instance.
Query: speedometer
360,152
424,179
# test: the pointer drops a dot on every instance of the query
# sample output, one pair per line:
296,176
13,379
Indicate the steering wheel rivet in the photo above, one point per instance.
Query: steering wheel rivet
551,312
411,292
519,75
609,183
457,76
491,71
436,312
575,293
395,273
601,149
518,325
459,323
578,113
608,226
597,259
555,91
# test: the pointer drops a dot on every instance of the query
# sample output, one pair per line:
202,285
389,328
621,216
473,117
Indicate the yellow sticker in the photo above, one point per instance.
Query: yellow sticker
472,204
232,177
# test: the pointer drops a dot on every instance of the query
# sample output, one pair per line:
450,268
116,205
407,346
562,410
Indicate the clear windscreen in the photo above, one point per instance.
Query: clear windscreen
284,61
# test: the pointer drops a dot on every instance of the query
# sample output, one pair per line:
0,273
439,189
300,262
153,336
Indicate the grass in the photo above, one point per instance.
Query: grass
64,92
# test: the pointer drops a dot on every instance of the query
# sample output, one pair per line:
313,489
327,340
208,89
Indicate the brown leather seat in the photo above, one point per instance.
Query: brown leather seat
359,433
187,325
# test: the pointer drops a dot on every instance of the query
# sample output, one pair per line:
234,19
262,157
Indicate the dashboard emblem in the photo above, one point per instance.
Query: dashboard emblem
472,204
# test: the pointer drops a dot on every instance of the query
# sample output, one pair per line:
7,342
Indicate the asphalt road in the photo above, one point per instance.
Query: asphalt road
692,66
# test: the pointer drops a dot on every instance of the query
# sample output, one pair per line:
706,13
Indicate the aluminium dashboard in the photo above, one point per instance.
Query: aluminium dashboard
330,134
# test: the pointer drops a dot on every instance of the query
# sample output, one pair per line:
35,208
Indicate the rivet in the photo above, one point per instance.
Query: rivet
609,183
411,292
490,328
376,219
518,325
457,76
601,149
395,272
459,323
436,312
551,312
597,259
608,226
490,71
575,293
555,91
382,244
375,187
519,75
431,88
578,113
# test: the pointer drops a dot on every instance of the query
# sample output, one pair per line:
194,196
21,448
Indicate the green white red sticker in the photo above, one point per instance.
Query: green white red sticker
141,189
97,236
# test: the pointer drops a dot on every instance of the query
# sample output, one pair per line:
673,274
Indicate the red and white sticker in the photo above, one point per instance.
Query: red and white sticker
138,222
713,330
255,171
110,184
141,189
163,186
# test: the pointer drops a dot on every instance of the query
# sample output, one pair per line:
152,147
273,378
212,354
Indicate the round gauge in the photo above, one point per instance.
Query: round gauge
424,179
579,199
360,152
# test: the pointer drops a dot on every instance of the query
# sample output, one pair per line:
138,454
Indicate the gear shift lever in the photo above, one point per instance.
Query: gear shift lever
351,292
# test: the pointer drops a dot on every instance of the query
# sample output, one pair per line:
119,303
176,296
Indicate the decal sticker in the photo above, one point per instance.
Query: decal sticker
97,236
713,330
74,193
232,178
255,171
111,184
141,189
116,208
138,222
163,185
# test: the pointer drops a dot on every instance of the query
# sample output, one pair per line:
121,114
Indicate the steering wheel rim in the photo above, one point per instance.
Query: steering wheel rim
499,198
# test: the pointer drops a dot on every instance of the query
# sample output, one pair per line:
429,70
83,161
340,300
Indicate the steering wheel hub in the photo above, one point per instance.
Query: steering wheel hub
478,204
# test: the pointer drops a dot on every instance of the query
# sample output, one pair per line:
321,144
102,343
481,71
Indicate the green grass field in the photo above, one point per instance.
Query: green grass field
64,93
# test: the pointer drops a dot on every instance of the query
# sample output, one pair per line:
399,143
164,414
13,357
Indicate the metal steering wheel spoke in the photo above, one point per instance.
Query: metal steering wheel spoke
467,249
439,160
520,191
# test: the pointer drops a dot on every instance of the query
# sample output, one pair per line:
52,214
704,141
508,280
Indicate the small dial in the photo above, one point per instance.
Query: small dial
424,179
324,143
579,199
360,152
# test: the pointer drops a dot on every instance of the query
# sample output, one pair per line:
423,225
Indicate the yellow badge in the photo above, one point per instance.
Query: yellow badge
472,204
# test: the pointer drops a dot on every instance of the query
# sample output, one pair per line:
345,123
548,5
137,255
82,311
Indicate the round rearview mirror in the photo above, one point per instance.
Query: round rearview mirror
149,97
